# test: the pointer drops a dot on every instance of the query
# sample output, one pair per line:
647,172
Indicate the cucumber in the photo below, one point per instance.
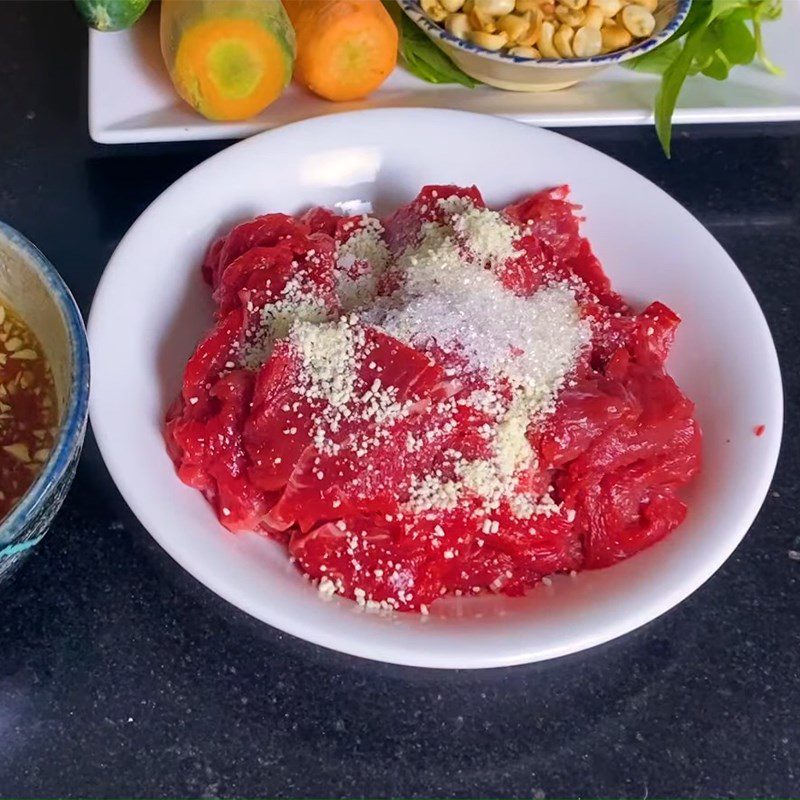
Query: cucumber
111,15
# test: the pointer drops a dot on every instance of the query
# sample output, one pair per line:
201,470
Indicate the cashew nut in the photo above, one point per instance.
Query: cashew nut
638,20
610,8
515,26
593,17
587,42
546,28
494,8
546,46
614,37
650,5
569,16
562,39
458,25
480,21
525,52
535,20
489,41
434,9
548,11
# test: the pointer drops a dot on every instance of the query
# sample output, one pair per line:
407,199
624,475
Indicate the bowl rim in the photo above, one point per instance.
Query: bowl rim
73,425
413,10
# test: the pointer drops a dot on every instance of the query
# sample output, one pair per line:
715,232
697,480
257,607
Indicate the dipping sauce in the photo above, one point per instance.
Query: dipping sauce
28,408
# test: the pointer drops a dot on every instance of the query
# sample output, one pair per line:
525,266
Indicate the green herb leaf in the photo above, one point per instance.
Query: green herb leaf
770,10
676,72
736,40
707,50
657,60
698,14
421,56
716,36
717,68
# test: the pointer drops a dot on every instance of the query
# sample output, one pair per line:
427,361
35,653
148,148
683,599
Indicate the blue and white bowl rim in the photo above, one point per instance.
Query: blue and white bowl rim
73,423
413,9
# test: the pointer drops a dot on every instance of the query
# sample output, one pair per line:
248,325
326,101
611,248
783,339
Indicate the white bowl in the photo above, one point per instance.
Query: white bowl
152,306
522,74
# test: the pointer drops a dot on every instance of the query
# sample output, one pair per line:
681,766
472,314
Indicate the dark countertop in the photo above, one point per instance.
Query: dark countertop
120,676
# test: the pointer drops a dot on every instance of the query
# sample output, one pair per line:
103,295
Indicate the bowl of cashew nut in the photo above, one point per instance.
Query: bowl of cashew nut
542,45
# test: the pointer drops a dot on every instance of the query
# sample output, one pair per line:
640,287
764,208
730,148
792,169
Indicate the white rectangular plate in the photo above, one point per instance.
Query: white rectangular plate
131,98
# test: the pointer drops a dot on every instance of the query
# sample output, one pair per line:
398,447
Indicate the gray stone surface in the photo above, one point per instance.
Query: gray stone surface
120,676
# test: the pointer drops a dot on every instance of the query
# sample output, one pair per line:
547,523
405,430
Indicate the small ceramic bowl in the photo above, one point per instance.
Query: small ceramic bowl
519,74
31,286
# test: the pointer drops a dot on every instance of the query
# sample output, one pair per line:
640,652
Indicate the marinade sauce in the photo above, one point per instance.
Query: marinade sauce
28,408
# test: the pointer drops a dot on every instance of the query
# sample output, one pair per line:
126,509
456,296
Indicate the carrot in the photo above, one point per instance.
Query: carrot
229,59
345,48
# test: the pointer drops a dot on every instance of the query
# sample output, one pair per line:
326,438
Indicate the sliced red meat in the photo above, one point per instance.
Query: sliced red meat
404,225
634,507
583,414
585,265
209,360
260,275
339,488
371,559
531,270
375,477
280,424
208,449
322,220
639,460
647,337
264,231
657,326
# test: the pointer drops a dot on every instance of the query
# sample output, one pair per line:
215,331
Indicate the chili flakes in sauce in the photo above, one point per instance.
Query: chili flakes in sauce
28,409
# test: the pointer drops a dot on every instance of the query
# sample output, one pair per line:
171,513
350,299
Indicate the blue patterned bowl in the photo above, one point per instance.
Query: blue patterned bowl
516,73
33,288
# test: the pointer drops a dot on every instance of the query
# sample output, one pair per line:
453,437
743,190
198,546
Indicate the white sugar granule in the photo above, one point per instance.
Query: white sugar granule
328,357
360,263
431,492
297,302
461,306
450,294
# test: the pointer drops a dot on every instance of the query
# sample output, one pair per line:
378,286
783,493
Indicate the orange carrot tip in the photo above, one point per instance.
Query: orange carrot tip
345,48
229,59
